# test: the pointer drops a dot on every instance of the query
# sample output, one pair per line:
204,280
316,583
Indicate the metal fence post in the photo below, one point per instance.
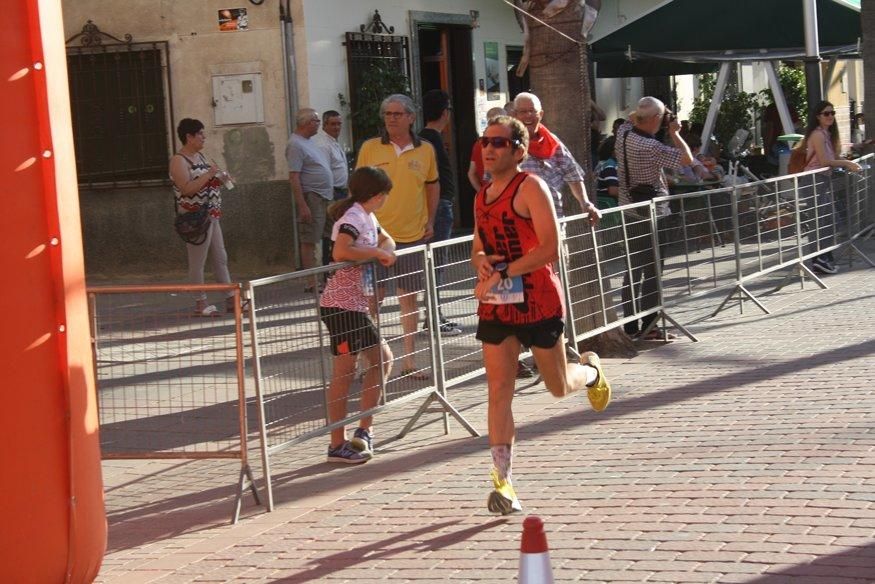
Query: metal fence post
259,396
566,287
434,337
798,213
733,206
657,256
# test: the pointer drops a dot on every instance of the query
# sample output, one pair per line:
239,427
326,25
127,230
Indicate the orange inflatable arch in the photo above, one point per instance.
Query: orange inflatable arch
54,525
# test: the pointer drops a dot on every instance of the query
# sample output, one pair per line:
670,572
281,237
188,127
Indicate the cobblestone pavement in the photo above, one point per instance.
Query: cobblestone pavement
746,457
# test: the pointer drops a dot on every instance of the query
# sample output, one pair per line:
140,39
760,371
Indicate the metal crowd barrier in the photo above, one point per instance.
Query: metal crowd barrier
292,359
638,263
170,385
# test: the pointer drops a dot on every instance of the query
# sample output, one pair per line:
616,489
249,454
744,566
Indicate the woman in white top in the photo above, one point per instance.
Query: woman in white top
822,146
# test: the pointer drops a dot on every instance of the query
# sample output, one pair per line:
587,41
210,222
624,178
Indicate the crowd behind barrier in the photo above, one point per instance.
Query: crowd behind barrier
714,243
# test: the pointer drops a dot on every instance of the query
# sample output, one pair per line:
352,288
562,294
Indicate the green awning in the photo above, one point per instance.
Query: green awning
692,36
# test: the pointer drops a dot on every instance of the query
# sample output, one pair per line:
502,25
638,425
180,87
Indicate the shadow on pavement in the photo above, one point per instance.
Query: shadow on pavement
854,566
386,548
138,526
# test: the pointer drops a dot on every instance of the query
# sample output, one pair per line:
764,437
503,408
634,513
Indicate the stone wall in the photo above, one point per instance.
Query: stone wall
128,233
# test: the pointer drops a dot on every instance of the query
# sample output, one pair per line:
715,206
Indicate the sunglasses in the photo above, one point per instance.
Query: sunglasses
498,142
396,115
829,113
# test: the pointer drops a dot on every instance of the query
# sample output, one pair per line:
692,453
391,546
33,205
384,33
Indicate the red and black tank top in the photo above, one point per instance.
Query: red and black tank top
504,232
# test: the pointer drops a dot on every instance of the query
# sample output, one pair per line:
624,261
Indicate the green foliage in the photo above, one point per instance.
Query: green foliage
737,110
702,102
792,79
740,109
380,79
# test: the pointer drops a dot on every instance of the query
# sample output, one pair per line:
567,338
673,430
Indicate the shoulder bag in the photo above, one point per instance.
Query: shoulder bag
640,192
192,226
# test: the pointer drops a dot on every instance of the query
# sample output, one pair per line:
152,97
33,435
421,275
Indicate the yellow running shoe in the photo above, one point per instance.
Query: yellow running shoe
599,393
503,499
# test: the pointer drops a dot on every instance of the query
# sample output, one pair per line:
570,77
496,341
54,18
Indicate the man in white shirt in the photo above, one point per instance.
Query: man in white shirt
326,140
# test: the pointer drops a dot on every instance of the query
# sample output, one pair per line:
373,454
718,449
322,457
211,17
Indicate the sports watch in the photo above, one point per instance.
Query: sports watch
501,268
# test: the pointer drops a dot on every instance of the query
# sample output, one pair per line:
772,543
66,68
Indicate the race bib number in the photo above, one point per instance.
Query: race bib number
509,291
368,280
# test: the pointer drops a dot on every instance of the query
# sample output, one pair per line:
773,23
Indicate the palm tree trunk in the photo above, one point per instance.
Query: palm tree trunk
559,74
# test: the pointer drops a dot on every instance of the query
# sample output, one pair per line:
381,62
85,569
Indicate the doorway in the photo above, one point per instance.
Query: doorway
442,49
515,85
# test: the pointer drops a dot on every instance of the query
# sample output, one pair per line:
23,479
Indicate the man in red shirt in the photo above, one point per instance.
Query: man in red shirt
476,171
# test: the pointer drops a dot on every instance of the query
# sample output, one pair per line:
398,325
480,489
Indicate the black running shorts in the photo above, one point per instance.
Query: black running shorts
351,331
542,334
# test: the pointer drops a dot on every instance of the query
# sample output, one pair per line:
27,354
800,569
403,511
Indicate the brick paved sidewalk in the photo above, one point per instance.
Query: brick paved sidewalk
747,457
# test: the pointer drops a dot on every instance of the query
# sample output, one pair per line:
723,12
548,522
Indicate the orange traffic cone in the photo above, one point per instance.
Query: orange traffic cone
534,555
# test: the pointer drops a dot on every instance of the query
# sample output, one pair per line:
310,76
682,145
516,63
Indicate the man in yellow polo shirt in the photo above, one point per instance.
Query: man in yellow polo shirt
409,211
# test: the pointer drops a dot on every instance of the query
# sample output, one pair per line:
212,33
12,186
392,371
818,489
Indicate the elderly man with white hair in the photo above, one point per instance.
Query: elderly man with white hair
549,158
312,184
641,159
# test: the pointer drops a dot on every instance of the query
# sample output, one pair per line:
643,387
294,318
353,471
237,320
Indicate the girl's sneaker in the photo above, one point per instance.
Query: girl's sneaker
344,453
362,442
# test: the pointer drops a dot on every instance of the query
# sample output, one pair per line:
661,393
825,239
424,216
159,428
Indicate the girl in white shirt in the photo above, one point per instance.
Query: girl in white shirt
345,305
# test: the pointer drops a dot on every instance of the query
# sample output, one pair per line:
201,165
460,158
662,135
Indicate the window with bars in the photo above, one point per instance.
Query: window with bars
121,123
378,66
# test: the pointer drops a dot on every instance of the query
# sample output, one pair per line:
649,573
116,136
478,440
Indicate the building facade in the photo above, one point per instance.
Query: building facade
242,68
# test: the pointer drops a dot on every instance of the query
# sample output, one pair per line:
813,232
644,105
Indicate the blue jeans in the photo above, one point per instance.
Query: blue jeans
443,220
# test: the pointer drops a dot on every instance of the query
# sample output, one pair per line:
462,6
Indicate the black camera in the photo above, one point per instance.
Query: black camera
667,118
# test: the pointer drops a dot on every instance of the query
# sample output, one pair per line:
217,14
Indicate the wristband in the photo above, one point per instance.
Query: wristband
501,268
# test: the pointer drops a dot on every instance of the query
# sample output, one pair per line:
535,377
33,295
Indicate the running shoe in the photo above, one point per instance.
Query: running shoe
599,393
362,442
503,499
523,371
823,266
345,454
447,329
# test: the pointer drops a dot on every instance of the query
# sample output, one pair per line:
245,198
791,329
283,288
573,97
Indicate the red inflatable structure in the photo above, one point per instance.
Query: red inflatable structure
54,525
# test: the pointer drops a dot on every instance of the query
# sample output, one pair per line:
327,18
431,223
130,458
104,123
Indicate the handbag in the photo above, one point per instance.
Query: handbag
640,192
193,226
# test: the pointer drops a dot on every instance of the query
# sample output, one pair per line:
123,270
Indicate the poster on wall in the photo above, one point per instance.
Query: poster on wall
233,19
493,71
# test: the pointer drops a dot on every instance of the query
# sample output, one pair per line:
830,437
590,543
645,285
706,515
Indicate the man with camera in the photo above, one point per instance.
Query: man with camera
641,159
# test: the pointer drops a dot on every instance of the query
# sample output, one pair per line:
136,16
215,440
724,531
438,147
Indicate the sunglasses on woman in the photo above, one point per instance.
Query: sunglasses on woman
498,142
828,113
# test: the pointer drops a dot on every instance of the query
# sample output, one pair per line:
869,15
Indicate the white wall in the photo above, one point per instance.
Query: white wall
326,22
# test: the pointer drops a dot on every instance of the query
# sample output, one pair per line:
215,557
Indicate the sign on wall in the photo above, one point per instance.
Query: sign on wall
233,19
493,71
